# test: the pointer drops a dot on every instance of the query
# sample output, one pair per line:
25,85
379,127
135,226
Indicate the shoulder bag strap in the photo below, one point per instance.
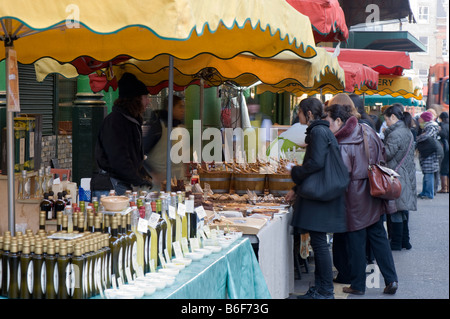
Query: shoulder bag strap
404,157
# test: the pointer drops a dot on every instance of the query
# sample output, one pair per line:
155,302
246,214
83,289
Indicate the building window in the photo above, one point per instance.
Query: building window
423,16
444,48
424,41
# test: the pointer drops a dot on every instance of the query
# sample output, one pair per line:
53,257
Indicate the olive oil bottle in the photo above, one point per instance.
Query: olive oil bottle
52,271
40,277
133,250
78,269
4,265
64,273
13,271
165,216
106,262
161,230
26,271
127,249
116,251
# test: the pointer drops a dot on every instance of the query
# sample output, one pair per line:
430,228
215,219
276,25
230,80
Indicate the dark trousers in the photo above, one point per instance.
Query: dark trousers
323,273
376,235
340,257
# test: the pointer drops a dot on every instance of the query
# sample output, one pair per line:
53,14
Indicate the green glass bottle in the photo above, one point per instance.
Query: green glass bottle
64,273
52,271
13,269
39,271
126,250
26,271
106,262
4,265
161,231
116,251
132,259
78,269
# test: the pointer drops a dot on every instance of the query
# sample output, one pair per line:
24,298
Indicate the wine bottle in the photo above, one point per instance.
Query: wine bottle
4,265
64,273
161,230
13,273
126,248
165,216
46,206
51,265
133,242
39,280
59,204
106,262
78,269
42,215
191,219
115,245
26,271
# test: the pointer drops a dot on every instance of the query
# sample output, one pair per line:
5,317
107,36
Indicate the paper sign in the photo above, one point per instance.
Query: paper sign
152,265
181,209
172,212
142,225
189,205
202,233
207,231
166,254
194,243
12,81
113,281
153,221
200,212
177,249
184,245
162,259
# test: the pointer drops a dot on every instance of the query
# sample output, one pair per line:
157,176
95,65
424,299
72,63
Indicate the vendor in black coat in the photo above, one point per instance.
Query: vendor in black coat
313,216
119,152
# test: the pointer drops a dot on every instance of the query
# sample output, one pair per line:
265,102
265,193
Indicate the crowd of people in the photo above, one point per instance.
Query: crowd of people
127,160
359,236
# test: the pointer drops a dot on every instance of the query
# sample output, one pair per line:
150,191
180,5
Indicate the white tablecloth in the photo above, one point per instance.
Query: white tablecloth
275,255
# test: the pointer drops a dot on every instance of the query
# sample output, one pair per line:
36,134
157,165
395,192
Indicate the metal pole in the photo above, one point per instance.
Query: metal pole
10,152
169,126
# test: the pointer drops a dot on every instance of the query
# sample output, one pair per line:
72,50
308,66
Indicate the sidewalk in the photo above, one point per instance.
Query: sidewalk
423,271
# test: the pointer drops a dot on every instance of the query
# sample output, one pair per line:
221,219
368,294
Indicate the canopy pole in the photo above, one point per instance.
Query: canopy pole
10,148
169,126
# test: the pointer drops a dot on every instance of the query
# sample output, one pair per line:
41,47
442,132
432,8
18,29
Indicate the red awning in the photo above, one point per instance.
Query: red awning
384,62
358,75
327,19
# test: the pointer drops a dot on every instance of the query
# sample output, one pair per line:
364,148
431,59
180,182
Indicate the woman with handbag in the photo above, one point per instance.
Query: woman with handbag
399,150
364,211
314,216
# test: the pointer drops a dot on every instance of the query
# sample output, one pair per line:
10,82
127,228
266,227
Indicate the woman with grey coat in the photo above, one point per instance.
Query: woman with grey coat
399,152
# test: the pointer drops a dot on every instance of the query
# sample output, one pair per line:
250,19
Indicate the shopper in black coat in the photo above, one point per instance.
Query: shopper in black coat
317,217
119,152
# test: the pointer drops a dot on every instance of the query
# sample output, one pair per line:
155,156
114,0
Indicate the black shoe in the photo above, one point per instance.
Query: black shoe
391,289
341,281
312,293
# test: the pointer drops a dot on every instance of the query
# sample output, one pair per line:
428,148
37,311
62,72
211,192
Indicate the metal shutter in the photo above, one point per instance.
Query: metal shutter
38,97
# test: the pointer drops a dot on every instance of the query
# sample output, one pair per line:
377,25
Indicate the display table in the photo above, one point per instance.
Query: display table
275,254
232,273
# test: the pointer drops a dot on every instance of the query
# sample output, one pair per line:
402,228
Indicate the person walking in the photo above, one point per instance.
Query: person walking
364,212
313,216
399,151
155,142
444,134
429,149
118,153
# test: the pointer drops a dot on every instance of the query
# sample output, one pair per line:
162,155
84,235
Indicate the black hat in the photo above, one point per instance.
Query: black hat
130,86
443,115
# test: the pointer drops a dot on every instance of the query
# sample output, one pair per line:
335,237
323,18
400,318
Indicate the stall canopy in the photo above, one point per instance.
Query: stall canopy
327,19
243,70
395,85
384,62
106,29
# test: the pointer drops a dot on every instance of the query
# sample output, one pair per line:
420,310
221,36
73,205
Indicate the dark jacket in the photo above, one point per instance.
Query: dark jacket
396,142
119,147
311,215
363,210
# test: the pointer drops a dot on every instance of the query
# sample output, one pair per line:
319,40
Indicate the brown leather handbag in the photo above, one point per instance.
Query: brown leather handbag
384,182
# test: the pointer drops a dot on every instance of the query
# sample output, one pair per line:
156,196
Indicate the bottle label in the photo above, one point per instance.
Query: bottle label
55,278
19,277
70,279
43,278
134,256
120,265
30,277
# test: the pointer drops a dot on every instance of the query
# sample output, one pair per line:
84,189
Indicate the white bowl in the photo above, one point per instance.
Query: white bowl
224,243
214,249
185,261
194,256
168,279
175,265
136,290
158,283
125,294
203,251
115,203
149,288
169,271
111,293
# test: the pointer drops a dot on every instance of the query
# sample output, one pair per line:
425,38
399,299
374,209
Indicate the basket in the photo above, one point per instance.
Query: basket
280,185
253,182
218,181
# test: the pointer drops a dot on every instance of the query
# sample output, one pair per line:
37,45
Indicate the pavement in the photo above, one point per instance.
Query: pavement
423,271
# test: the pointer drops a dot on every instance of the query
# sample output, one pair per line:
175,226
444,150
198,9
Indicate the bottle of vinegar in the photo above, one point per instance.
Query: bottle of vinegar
64,273
78,268
52,272
26,272
13,271
40,277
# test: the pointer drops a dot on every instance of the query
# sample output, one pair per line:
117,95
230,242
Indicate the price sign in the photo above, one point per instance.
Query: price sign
189,205
172,212
184,245
181,209
142,225
200,212
153,221
194,243
177,249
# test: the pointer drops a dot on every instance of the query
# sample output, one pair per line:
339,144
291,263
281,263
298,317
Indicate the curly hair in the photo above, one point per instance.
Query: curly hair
132,104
